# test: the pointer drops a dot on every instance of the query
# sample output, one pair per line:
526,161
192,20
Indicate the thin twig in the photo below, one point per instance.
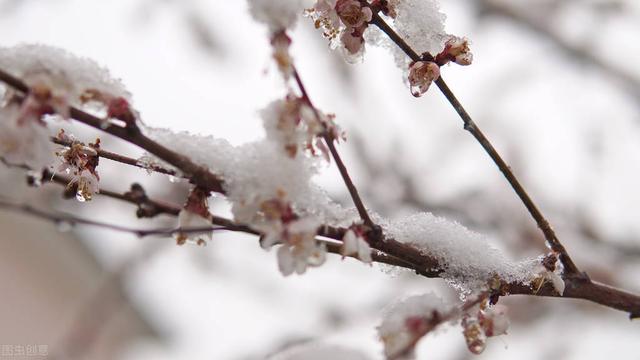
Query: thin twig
353,191
471,127
71,220
120,158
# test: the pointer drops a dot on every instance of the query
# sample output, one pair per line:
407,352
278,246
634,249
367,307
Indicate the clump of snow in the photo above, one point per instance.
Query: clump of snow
467,258
402,321
76,75
318,351
256,172
277,14
421,24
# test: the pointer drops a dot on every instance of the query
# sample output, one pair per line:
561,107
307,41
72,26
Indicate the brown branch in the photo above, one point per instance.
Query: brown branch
120,158
628,80
570,268
584,289
199,175
353,191
71,220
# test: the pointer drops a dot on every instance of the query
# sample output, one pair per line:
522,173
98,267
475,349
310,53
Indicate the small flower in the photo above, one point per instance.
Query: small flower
325,16
456,49
292,123
80,161
354,243
353,41
421,75
344,23
299,248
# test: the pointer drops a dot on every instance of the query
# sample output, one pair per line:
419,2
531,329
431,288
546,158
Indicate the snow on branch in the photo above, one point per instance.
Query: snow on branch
269,182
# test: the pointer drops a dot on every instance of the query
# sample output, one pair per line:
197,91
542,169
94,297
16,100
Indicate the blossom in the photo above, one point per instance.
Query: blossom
352,13
80,161
354,243
344,23
421,75
280,225
295,126
456,49
278,15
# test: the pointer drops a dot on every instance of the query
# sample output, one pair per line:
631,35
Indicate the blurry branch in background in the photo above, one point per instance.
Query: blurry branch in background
92,318
67,221
540,26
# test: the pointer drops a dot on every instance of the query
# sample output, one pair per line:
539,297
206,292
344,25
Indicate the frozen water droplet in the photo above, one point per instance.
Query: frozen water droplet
64,226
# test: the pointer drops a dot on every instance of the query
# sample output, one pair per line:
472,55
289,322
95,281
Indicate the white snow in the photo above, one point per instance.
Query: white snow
468,258
318,351
277,14
73,73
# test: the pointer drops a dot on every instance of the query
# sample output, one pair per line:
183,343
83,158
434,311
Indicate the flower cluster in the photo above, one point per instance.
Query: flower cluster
195,214
343,22
483,323
298,127
297,236
80,161
423,73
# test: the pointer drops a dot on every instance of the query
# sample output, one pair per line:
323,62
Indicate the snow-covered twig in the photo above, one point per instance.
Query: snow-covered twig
570,268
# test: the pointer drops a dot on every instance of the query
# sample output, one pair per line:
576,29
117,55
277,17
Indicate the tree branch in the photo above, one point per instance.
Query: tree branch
131,133
469,125
353,191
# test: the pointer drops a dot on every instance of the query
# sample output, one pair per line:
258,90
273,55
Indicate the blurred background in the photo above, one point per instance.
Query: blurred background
555,85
